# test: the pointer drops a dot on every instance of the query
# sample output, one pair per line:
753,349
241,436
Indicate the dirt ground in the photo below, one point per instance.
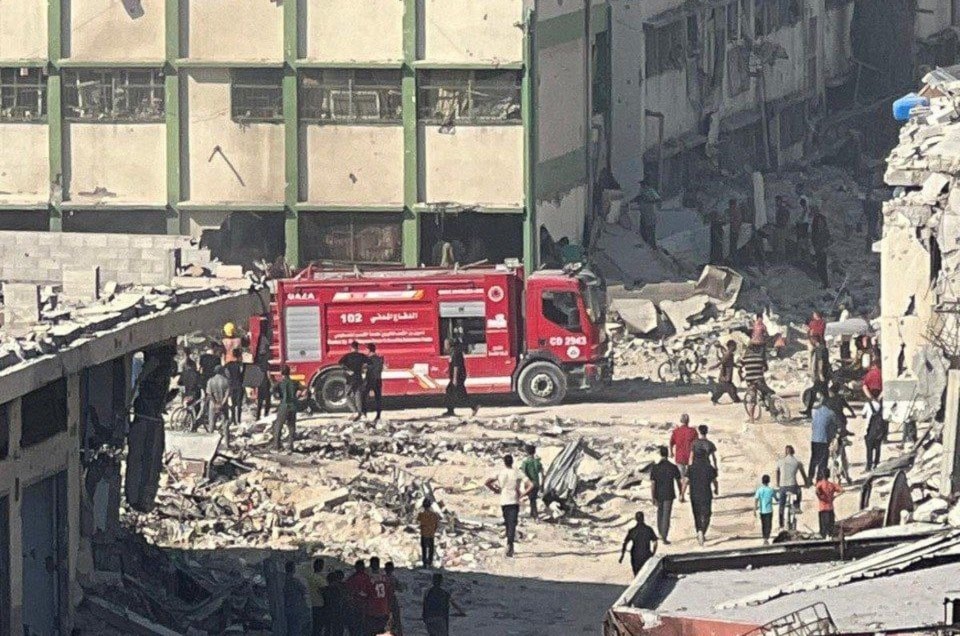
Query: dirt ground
565,574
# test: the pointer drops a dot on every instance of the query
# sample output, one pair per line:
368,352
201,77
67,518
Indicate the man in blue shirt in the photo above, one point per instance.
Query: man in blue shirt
823,430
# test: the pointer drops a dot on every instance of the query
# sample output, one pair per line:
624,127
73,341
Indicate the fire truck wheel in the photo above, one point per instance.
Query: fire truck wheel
542,384
329,391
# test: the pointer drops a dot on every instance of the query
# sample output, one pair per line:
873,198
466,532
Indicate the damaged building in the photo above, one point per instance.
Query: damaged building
359,131
86,357
760,84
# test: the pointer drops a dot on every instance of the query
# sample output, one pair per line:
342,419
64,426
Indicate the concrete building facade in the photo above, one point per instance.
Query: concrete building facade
365,130
754,82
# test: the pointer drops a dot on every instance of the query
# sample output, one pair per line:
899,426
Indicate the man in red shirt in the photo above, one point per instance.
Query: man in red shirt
873,381
378,605
817,327
360,588
681,440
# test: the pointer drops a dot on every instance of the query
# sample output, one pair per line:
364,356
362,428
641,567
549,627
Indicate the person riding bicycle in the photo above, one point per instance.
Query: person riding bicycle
753,367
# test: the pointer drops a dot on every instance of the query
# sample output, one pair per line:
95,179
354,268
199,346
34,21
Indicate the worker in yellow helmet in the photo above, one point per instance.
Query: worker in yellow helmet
232,343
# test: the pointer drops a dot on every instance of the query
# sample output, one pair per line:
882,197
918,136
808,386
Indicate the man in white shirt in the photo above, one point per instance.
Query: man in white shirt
509,484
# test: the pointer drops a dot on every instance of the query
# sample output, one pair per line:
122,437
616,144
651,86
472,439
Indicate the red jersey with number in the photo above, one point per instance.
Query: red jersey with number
379,602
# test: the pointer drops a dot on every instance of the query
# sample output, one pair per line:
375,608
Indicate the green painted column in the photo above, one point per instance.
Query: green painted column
172,110
411,162
291,128
528,100
55,112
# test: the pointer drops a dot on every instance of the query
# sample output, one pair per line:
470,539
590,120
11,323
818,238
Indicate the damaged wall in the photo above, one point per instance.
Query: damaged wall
455,31
107,30
17,42
233,30
228,160
24,167
352,30
98,165
359,165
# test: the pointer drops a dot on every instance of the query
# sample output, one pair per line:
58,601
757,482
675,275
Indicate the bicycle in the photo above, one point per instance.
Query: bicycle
772,403
791,511
839,464
686,359
189,415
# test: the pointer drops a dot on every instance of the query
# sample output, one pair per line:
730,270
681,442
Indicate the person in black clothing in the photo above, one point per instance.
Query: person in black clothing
663,475
209,362
373,382
234,373
819,374
703,486
820,239
724,383
334,621
436,608
190,381
456,394
644,544
353,362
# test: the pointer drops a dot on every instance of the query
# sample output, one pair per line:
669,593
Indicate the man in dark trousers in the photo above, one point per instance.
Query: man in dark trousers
663,476
508,483
373,382
457,387
724,383
218,399
353,362
820,240
190,382
287,409
234,372
643,544
436,608
703,486
824,427
819,374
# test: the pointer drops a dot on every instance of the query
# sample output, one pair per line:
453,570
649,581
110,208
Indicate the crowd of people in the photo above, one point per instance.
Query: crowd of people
319,602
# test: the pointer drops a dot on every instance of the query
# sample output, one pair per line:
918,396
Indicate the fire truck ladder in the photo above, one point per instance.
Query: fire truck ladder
813,620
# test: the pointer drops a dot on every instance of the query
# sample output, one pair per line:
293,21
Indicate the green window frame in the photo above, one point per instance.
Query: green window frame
470,97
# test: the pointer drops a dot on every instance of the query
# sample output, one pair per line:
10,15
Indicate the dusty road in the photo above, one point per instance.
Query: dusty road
566,574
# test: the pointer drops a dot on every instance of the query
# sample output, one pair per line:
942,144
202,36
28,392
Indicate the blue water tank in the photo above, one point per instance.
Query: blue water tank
903,106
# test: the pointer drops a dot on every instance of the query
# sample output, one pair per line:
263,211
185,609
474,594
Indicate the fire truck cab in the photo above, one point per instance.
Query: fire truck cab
538,336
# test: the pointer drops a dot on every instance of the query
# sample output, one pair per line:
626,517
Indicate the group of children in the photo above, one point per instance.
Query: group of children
825,489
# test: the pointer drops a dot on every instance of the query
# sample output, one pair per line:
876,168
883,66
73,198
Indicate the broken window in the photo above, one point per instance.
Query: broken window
43,413
793,124
464,321
256,95
773,15
114,94
471,237
470,97
351,96
562,309
664,48
351,238
23,94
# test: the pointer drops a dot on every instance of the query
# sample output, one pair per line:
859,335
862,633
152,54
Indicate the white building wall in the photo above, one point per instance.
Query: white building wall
487,31
108,30
116,163
360,165
352,30
473,165
16,41
24,164
234,30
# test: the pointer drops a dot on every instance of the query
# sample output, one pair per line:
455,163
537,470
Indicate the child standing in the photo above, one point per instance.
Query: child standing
765,497
826,491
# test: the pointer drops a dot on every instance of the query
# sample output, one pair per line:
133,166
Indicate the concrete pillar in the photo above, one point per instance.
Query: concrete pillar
21,304
950,469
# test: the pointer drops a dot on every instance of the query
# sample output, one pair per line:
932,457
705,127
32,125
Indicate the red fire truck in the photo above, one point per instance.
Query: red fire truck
539,336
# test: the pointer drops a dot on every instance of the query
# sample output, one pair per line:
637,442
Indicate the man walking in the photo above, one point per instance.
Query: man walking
360,589
681,445
876,432
823,430
295,602
705,446
765,497
643,544
287,409
663,476
436,608
507,484
456,394
429,522
819,374
781,228
789,488
532,468
703,487
724,383
826,491
820,239
373,383
218,397
353,362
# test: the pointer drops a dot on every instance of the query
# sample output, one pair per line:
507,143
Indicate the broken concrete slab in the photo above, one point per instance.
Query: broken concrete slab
638,314
195,450
933,187
929,510
721,284
21,304
81,283
684,313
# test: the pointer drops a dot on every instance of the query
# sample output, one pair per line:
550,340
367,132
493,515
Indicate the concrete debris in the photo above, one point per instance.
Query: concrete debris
930,510
683,314
195,450
639,315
